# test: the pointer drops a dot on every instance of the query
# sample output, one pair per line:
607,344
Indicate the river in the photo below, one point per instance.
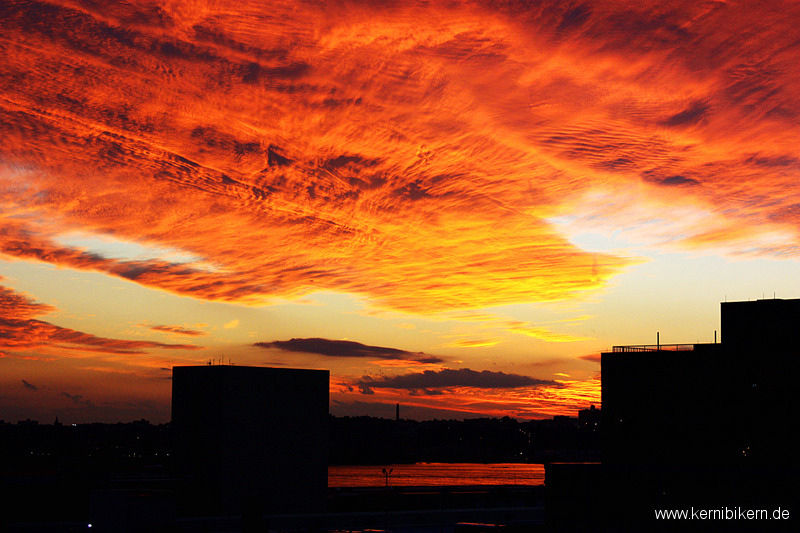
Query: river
436,474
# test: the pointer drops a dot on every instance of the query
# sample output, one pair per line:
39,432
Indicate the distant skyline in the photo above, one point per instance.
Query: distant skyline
453,207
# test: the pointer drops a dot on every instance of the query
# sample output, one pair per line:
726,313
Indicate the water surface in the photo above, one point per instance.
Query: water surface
437,474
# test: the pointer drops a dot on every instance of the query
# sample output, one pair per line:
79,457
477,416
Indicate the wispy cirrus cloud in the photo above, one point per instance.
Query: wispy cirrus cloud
495,324
19,330
539,332
178,330
485,122
474,343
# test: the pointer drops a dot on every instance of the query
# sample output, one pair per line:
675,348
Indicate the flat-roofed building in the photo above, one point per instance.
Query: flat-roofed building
725,403
694,426
250,439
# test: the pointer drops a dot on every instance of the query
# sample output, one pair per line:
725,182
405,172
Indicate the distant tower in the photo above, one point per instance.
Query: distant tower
250,440
397,412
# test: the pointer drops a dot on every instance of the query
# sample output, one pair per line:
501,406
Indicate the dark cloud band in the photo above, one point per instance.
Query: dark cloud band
340,348
432,382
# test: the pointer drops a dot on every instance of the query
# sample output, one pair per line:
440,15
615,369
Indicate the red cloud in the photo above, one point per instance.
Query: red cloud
413,153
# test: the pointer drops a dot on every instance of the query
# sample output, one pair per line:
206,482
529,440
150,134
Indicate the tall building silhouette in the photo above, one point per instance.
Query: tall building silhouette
704,426
250,440
727,403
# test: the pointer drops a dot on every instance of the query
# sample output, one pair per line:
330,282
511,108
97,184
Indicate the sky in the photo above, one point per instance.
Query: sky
454,206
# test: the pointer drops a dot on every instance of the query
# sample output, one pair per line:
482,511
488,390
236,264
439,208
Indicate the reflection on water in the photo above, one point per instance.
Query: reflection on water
437,474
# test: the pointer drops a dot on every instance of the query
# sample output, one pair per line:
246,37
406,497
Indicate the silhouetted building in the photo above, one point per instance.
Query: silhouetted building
590,416
760,325
727,404
693,426
250,440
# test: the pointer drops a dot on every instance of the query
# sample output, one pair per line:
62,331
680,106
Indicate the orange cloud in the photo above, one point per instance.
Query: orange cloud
541,333
406,363
474,343
178,330
210,136
499,323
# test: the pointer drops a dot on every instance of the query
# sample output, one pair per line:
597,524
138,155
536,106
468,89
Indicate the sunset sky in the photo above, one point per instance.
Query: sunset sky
451,205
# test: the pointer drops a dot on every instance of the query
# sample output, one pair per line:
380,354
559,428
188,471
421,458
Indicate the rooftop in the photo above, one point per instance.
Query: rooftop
661,347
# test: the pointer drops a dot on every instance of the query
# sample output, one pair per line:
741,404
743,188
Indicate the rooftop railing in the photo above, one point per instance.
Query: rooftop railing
654,348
